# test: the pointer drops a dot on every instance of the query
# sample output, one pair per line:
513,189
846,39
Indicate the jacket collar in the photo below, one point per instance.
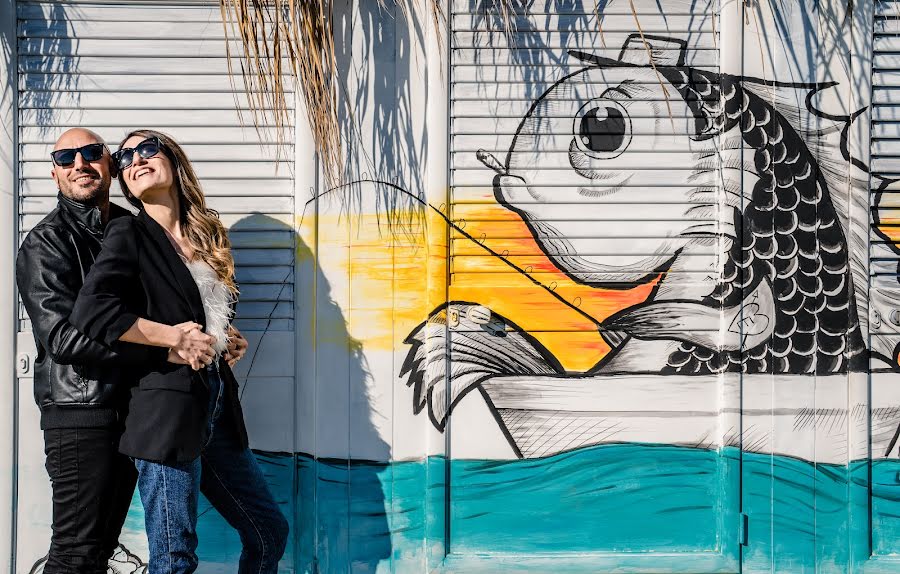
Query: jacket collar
180,277
88,216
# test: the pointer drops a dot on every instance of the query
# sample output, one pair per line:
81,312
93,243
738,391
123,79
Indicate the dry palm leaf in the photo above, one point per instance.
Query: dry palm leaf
288,40
293,40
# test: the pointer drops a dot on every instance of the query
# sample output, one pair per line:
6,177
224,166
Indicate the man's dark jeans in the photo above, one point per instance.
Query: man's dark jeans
92,489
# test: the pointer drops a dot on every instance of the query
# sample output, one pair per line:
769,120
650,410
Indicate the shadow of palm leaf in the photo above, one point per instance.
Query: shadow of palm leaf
49,66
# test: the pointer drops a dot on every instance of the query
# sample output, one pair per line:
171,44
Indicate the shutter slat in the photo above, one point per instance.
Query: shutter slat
113,64
146,29
137,101
885,150
233,152
205,170
126,118
56,11
697,8
131,83
185,135
233,205
135,48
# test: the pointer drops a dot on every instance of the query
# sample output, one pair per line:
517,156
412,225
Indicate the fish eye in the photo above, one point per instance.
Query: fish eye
602,128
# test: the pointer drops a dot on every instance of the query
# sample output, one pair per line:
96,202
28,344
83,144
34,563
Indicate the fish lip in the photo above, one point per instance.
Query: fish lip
658,271
498,188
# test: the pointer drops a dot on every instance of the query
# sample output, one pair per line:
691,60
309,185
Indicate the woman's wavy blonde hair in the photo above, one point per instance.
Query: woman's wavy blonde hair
200,224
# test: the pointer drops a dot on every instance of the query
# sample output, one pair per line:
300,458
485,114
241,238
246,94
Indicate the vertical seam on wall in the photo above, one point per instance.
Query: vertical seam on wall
14,119
315,378
447,275
871,34
314,458
389,468
351,160
295,236
739,233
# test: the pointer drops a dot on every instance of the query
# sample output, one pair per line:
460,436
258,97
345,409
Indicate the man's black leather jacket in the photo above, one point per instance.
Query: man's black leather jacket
78,382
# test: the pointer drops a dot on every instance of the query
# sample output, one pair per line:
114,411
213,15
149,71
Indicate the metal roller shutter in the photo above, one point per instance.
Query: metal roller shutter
115,67
513,102
543,215
884,270
885,160
496,79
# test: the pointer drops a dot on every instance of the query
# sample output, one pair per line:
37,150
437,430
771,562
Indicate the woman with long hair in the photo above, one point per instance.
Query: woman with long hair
164,272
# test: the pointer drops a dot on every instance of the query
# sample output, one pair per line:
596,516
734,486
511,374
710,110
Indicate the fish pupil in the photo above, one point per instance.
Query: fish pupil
602,129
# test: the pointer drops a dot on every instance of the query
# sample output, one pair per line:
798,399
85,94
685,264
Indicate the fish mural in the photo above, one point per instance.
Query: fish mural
651,293
752,258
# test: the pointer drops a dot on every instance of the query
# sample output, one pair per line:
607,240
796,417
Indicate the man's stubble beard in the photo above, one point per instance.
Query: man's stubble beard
94,195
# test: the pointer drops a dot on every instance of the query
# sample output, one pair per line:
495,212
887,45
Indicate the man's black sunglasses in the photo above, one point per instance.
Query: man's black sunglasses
66,157
148,148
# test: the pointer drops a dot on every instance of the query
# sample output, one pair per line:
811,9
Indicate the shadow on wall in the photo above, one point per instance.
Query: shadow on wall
541,34
339,506
384,64
382,103
535,57
810,41
51,65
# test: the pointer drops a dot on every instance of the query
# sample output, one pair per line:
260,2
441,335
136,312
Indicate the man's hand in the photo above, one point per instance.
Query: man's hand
237,346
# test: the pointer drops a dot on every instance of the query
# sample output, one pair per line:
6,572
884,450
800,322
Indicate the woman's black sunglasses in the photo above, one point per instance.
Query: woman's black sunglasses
125,156
66,157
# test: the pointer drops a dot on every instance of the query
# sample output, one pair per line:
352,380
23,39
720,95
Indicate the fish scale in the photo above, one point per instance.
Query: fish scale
789,235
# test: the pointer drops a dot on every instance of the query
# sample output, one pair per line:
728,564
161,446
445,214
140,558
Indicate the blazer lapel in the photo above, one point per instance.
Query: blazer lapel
180,277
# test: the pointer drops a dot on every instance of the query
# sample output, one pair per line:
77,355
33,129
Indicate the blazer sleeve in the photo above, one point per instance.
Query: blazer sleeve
101,310
48,292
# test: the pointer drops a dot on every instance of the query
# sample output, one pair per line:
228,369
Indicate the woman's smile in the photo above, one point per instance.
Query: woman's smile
141,172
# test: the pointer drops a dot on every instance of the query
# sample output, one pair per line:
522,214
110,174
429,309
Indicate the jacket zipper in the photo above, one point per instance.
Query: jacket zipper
83,384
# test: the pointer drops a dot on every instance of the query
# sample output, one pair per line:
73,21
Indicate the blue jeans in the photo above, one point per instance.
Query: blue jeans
232,481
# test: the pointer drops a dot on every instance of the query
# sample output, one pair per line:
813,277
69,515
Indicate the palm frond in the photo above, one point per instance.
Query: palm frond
288,41
293,41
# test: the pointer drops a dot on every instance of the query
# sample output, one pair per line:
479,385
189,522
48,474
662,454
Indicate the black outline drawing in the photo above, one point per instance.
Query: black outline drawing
787,278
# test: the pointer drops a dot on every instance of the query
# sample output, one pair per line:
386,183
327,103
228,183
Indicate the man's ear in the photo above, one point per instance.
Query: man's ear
53,175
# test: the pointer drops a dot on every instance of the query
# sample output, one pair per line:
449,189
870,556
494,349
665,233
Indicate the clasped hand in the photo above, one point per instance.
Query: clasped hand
195,348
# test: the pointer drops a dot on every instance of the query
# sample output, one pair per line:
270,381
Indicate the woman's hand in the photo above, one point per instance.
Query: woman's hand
186,340
237,346
193,346
175,358
189,326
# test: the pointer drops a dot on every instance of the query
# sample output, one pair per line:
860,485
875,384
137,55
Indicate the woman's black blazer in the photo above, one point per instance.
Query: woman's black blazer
139,274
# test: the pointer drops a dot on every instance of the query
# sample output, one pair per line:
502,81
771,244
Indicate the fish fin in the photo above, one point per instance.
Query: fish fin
749,323
479,345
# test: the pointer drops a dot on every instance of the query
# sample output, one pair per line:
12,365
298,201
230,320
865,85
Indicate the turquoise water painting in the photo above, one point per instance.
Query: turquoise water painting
632,500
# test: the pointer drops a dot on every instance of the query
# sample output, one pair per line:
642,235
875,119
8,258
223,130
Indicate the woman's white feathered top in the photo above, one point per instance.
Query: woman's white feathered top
217,301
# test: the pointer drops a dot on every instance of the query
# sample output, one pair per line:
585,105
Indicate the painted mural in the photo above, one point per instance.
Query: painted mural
742,285
777,286
639,332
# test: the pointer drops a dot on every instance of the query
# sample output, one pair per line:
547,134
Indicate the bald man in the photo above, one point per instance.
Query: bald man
80,385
